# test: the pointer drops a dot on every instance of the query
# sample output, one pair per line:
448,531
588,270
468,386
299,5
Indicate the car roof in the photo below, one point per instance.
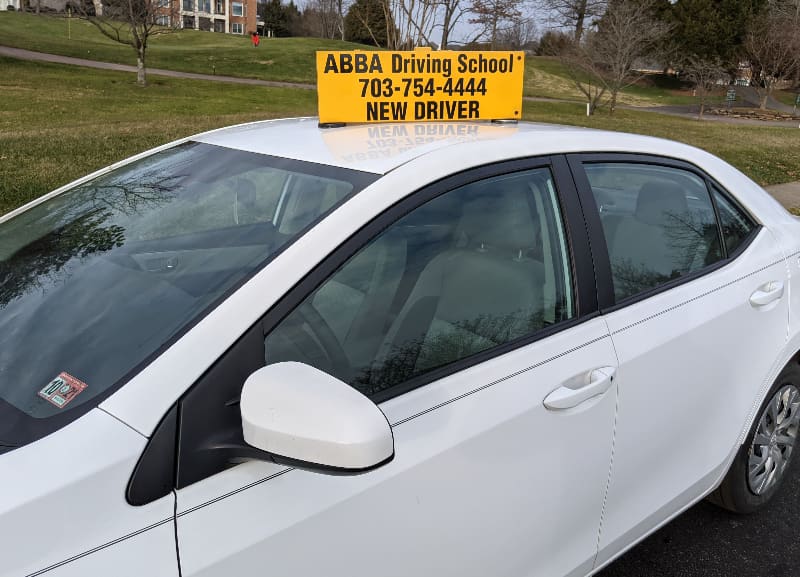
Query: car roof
375,148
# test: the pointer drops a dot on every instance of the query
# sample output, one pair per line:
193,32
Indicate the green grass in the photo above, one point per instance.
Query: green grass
768,155
284,59
547,77
58,123
785,97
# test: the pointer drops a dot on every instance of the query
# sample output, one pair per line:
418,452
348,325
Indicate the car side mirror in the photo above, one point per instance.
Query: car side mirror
304,417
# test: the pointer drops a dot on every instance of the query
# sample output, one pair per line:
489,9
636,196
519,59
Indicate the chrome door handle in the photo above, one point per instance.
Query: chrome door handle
767,293
566,397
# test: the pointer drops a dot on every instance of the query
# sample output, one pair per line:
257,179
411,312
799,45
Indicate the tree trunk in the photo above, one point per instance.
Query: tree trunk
613,102
579,21
141,78
702,107
445,28
340,17
763,101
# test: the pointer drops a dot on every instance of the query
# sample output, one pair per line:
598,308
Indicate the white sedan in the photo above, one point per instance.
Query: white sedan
393,350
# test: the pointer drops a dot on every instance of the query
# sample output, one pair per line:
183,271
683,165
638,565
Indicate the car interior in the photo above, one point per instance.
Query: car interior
472,269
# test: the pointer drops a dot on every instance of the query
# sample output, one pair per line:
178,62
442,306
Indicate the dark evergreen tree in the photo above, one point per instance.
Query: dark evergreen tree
711,30
278,17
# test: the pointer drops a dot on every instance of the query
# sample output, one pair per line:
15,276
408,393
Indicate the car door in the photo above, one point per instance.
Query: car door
461,311
694,291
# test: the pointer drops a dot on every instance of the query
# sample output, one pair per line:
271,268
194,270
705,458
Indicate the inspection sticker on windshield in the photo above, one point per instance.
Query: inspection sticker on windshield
62,390
419,85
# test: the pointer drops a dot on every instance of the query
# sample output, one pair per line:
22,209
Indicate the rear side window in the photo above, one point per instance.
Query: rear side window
477,267
659,223
736,226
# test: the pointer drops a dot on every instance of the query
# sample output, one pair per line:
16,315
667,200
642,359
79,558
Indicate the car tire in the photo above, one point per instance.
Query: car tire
764,459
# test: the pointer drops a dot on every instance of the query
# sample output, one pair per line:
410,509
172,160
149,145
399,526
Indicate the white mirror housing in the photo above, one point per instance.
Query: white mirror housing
304,415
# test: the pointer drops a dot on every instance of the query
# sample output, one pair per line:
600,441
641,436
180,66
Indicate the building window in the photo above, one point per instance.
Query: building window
220,7
237,28
188,22
219,26
204,5
162,20
237,8
188,5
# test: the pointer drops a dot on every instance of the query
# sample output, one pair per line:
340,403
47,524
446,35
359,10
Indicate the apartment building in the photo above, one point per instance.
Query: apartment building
231,16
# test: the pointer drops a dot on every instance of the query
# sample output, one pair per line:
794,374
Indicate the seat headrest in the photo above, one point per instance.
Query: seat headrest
658,200
499,217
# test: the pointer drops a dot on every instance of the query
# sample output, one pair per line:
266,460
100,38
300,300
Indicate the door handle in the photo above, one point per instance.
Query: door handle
767,293
566,397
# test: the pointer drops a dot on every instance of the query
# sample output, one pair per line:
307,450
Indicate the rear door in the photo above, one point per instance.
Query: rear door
694,296
461,312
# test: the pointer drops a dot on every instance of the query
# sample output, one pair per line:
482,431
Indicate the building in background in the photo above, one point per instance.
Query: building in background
231,16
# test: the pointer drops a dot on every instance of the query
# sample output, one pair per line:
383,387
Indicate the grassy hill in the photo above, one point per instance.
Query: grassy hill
60,122
284,59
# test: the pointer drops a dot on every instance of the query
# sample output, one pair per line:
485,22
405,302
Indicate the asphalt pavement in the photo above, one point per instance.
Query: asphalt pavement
707,541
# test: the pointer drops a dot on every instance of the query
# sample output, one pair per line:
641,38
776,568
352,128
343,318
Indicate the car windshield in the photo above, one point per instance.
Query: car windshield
97,280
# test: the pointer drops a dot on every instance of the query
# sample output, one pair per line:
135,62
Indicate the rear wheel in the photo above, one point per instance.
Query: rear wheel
763,460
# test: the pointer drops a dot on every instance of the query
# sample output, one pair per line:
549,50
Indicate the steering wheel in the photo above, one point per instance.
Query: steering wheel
326,338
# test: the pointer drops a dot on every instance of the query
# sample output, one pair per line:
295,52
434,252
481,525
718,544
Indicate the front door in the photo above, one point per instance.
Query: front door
461,320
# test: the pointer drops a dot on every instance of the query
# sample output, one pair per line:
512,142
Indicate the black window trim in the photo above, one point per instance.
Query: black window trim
147,484
605,286
581,270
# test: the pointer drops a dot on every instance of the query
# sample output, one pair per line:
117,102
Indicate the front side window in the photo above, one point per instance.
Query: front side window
472,269
658,221
97,279
237,28
188,5
237,9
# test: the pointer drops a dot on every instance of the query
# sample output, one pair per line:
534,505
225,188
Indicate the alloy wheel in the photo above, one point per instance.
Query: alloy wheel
774,440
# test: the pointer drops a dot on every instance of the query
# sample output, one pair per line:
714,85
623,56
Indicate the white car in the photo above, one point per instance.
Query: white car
401,350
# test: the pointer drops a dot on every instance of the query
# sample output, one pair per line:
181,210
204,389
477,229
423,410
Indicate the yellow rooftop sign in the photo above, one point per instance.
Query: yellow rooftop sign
419,85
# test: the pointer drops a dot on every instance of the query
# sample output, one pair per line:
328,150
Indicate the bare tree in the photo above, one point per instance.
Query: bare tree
578,15
518,35
451,11
341,10
133,22
586,72
772,46
627,34
413,22
321,18
705,74
492,16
